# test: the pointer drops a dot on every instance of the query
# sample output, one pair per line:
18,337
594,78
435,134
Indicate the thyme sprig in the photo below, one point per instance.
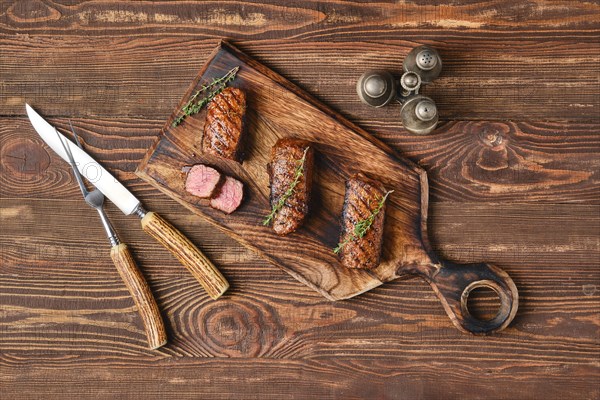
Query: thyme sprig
195,104
298,173
363,226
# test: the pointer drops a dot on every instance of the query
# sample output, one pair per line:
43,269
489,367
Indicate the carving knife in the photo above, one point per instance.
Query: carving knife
166,234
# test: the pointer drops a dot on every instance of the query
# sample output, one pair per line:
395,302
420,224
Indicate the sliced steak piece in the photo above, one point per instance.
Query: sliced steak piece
202,181
225,124
285,158
229,196
363,196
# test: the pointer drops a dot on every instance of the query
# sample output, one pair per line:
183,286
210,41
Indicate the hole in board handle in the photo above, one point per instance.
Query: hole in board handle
481,300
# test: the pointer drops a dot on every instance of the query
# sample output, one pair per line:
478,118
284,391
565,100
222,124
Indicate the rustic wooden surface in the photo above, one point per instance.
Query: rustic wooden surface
513,172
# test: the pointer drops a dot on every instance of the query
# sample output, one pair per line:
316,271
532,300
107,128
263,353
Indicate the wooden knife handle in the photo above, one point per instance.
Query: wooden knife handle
197,263
137,286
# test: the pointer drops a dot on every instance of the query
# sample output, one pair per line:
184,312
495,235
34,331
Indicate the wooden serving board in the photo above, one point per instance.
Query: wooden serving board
277,109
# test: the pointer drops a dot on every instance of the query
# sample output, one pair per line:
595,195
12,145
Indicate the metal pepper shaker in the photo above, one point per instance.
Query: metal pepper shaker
379,88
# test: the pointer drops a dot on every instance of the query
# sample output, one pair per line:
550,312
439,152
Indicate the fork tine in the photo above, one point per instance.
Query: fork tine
75,134
82,187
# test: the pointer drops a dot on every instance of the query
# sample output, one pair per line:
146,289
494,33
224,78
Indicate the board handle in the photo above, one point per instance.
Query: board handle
454,282
184,250
142,296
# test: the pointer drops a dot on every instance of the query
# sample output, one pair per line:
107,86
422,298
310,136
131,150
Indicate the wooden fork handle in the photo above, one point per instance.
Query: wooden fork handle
180,246
142,296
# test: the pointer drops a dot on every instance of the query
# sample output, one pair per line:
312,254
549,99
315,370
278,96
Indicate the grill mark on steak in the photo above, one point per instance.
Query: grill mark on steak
225,122
361,199
285,156
221,131
355,215
224,125
217,145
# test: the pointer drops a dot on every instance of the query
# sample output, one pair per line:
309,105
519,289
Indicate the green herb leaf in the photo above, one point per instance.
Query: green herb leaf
194,105
298,173
362,227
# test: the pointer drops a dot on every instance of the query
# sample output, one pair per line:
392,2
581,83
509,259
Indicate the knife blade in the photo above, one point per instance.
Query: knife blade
166,234
87,166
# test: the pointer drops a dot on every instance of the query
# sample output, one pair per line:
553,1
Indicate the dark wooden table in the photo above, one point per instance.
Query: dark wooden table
522,74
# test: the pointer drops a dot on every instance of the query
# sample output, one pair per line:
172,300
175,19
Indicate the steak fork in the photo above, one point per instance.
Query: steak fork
123,260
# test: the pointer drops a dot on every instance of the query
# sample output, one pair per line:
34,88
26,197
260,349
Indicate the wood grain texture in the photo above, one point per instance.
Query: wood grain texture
141,294
273,18
329,379
267,313
478,82
531,158
185,251
68,327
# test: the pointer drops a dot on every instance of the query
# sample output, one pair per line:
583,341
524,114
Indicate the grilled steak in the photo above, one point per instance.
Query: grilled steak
202,181
225,124
285,159
363,196
229,196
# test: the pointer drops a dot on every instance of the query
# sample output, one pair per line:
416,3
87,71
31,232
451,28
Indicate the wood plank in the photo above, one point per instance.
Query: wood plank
545,162
292,19
146,76
516,234
389,378
508,161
